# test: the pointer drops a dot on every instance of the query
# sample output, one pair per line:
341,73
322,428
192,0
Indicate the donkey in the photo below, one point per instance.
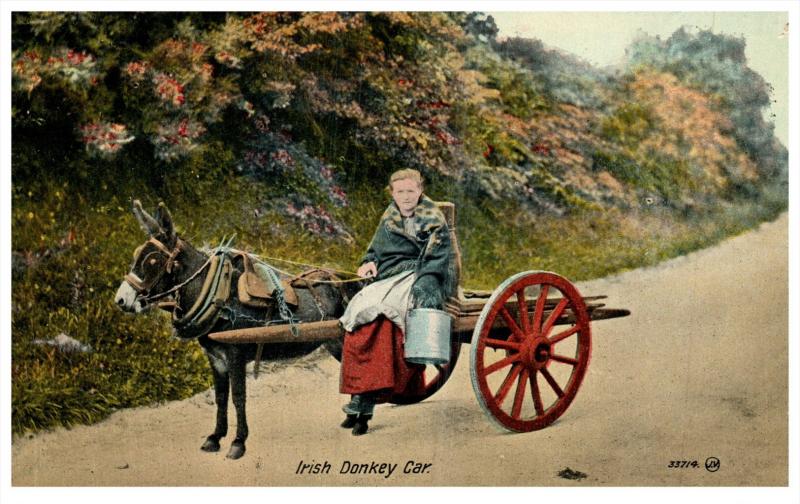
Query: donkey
167,266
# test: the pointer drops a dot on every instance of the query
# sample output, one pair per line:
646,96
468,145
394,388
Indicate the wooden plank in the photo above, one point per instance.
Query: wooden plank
465,324
463,327
477,304
307,331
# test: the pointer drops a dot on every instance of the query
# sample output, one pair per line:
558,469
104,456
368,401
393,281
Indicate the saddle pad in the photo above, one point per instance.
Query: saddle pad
256,287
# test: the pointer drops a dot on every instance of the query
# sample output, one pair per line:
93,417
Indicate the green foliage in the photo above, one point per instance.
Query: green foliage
628,125
69,257
716,64
517,89
497,243
653,173
561,77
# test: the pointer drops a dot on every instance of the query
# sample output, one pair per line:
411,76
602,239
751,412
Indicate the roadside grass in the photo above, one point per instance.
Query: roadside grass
70,256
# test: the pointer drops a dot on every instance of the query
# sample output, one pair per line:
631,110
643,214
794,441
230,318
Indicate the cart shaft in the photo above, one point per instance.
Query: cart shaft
324,330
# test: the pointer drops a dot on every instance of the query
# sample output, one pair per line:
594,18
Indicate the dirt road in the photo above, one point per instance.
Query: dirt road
699,370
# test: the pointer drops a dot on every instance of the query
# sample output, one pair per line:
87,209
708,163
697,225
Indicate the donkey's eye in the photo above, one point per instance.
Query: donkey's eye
152,261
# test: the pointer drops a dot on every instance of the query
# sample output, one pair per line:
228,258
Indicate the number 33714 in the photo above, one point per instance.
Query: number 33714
682,464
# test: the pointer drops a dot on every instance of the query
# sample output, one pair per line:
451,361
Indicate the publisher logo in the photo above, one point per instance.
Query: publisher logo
712,464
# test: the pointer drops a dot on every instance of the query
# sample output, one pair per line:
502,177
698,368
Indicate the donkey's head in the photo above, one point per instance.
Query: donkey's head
154,262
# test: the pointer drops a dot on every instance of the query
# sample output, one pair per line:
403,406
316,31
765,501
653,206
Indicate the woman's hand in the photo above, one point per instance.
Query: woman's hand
367,270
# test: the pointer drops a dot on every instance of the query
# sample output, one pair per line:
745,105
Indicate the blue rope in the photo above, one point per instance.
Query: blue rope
283,309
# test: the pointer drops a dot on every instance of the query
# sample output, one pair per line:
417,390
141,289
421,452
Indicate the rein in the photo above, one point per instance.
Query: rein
294,276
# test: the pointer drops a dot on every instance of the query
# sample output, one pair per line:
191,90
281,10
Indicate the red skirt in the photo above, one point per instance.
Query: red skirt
372,361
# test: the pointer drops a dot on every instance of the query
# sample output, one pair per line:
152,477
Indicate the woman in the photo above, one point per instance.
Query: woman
410,257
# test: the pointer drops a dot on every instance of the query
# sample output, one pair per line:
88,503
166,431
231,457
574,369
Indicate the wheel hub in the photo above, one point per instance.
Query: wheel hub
536,353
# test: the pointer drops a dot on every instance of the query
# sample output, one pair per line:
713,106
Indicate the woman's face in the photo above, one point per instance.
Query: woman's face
406,193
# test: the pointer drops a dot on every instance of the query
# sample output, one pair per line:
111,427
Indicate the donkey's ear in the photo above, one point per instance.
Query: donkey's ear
149,224
164,219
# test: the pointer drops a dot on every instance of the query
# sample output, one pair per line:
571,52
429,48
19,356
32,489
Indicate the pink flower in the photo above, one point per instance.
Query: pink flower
136,70
283,157
176,139
105,138
169,89
206,72
198,49
446,137
338,195
77,58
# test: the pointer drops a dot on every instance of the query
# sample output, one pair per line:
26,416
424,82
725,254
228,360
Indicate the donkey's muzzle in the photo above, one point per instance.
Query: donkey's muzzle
126,298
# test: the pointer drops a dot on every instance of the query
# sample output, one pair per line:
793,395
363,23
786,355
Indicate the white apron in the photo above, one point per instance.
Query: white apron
388,297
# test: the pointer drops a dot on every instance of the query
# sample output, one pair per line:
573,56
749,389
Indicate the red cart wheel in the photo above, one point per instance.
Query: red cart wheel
434,378
515,345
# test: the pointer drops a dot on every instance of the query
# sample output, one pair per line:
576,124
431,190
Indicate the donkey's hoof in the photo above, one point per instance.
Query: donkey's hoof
236,451
211,445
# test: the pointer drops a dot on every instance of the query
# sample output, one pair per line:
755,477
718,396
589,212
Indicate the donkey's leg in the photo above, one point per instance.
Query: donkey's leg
221,387
238,389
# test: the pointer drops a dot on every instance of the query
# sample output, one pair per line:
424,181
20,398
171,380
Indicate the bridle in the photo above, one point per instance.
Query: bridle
143,288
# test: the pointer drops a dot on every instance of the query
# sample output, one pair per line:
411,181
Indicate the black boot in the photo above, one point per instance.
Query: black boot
350,421
361,426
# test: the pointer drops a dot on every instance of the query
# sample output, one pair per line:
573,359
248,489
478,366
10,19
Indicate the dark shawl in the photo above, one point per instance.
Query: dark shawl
429,253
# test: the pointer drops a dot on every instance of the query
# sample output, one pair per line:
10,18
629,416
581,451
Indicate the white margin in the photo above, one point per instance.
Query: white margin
327,495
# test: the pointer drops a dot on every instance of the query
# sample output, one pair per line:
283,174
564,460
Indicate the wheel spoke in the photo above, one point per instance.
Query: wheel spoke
565,360
551,320
564,335
536,394
520,394
552,382
537,315
522,306
502,392
501,364
505,344
512,324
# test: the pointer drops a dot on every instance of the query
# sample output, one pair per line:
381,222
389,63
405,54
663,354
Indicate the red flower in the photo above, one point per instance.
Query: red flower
446,137
541,149
170,90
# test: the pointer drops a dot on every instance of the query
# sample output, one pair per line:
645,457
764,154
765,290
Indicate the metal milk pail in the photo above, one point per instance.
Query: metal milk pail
427,336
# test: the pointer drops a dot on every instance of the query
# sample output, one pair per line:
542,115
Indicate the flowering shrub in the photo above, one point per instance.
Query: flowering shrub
105,139
367,92
137,70
228,59
169,90
176,139
716,65
272,156
27,69
316,220
70,67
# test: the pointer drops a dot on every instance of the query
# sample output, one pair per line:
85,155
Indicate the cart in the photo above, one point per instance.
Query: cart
530,344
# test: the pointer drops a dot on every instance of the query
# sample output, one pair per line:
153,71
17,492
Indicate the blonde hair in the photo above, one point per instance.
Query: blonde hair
405,173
